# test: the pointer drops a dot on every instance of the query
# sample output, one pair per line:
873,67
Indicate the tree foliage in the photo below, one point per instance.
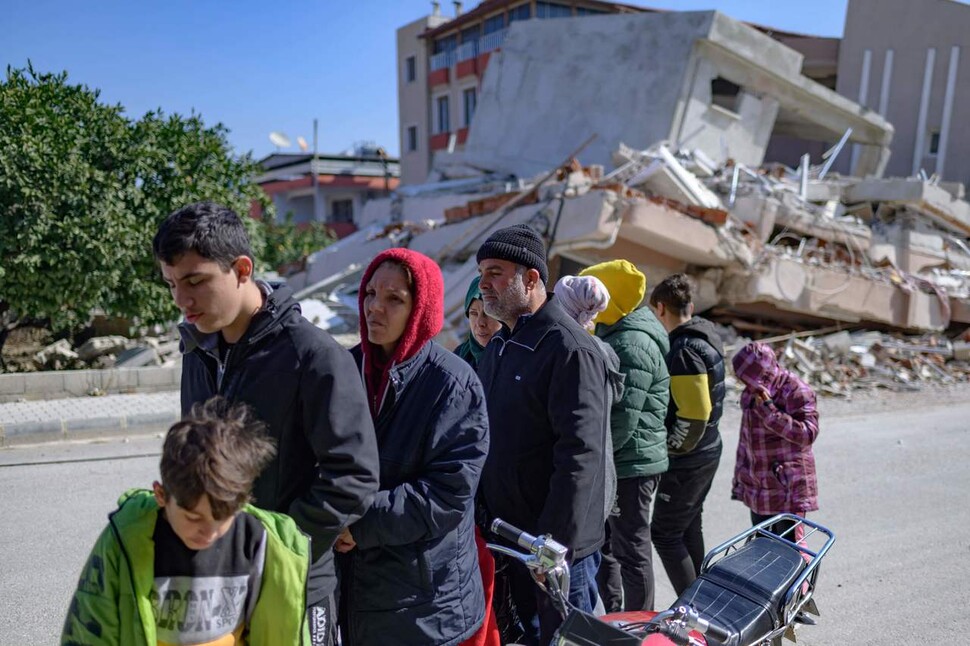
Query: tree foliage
288,243
83,189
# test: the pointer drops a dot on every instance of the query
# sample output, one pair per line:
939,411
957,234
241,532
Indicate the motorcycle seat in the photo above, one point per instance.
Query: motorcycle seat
745,590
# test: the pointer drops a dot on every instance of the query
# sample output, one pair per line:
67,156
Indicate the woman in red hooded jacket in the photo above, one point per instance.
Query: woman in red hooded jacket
409,571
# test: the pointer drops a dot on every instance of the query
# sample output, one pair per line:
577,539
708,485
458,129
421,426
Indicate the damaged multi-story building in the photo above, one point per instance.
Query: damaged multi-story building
644,135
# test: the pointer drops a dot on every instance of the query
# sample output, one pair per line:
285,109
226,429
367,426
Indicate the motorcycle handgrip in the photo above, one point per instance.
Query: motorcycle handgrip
513,534
713,630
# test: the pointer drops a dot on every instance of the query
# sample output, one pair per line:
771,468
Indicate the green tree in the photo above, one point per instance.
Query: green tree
82,190
288,243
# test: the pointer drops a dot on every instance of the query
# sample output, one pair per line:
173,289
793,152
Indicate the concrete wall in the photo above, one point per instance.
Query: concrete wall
412,98
636,79
909,28
557,82
300,203
57,384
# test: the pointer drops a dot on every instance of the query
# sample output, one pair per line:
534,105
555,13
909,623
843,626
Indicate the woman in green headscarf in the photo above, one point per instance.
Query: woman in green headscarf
481,326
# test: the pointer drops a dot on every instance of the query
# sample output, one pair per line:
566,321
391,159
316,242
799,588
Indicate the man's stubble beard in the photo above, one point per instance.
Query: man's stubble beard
510,304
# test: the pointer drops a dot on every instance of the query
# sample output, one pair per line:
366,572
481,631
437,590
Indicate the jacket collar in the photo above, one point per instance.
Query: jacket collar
276,303
403,373
530,331
399,374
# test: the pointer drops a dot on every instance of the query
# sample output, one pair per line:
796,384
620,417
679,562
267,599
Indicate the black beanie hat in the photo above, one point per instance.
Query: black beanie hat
519,244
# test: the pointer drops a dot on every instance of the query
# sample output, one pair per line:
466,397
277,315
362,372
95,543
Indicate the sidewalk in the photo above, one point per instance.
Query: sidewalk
86,417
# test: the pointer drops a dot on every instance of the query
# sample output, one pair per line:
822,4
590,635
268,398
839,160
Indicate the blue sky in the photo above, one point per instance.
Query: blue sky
260,66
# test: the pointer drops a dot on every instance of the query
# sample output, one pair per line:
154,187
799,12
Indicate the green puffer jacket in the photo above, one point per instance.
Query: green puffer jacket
637,419
111,606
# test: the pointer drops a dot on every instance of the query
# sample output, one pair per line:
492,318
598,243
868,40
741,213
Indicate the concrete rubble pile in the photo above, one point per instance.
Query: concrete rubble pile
673,178
843,362
101,352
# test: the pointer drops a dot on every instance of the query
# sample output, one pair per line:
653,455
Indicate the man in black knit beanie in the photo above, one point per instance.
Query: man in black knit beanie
546,388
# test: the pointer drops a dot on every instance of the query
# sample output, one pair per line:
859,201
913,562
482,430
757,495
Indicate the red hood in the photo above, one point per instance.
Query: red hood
426,320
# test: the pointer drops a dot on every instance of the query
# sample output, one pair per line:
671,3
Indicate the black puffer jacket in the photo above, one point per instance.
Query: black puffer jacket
548,399
306,388
414,577
696,365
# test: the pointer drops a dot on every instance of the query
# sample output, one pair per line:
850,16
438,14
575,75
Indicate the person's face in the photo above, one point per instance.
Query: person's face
195,527
503,290
387,306
482,325
209,297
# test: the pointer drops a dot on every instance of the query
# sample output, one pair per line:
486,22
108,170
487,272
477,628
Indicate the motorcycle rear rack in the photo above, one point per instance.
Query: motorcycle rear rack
799,596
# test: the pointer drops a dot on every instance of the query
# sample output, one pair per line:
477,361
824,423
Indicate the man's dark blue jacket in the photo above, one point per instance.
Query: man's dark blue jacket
547,390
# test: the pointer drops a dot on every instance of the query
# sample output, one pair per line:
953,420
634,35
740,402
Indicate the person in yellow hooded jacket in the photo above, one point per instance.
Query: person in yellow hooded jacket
637,427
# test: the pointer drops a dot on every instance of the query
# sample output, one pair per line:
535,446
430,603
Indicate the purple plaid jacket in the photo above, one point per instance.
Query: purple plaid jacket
775,468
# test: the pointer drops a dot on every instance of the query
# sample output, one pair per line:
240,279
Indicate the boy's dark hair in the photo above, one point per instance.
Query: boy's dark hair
211,230
676,292
218,449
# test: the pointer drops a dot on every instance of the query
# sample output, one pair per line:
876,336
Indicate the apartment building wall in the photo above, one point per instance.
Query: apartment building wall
909,60
413,98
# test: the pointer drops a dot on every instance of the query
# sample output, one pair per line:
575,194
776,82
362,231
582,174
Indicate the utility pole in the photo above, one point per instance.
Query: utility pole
315,182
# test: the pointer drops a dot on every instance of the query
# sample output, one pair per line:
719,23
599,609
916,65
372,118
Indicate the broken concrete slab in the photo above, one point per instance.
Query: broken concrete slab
835,293
929,199
659,227
101,345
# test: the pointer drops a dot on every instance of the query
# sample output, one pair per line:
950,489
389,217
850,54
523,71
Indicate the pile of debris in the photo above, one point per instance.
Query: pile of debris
841,362
112,351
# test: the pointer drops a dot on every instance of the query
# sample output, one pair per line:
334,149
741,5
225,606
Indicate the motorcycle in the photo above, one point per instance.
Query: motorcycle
752,590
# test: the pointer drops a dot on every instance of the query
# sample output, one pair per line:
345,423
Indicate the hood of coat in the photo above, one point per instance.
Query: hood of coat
756,367
640,320
277,304
424,322
626,285
427,310
699,328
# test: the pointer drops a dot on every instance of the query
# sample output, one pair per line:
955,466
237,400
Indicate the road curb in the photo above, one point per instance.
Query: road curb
54,430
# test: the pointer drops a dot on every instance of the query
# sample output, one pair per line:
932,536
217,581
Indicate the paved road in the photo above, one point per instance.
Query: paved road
895,487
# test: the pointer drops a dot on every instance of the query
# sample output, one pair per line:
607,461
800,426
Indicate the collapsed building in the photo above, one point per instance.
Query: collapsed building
671,115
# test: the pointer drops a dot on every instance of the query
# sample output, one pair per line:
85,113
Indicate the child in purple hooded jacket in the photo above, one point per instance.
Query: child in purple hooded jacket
775,468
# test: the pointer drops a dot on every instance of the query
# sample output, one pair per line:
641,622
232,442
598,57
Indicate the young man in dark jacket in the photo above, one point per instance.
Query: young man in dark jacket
249,343
696,364
546,387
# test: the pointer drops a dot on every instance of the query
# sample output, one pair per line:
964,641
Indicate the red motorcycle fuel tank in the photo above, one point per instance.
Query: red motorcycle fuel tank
643,616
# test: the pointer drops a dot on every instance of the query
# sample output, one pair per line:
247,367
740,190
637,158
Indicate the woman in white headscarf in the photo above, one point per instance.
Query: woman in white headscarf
583,297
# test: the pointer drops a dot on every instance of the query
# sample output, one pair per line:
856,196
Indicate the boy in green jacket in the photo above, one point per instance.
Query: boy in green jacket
192,561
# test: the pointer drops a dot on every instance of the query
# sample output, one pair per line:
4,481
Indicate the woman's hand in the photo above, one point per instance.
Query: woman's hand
345,542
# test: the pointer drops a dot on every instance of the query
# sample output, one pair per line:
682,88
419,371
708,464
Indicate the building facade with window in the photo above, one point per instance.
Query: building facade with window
910,62
441,61
337,193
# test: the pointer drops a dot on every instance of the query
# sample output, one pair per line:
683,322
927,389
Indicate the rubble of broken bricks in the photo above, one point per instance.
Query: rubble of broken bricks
840,363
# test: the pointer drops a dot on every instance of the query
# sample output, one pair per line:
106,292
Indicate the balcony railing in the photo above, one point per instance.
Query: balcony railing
468,50
491,41
442,60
